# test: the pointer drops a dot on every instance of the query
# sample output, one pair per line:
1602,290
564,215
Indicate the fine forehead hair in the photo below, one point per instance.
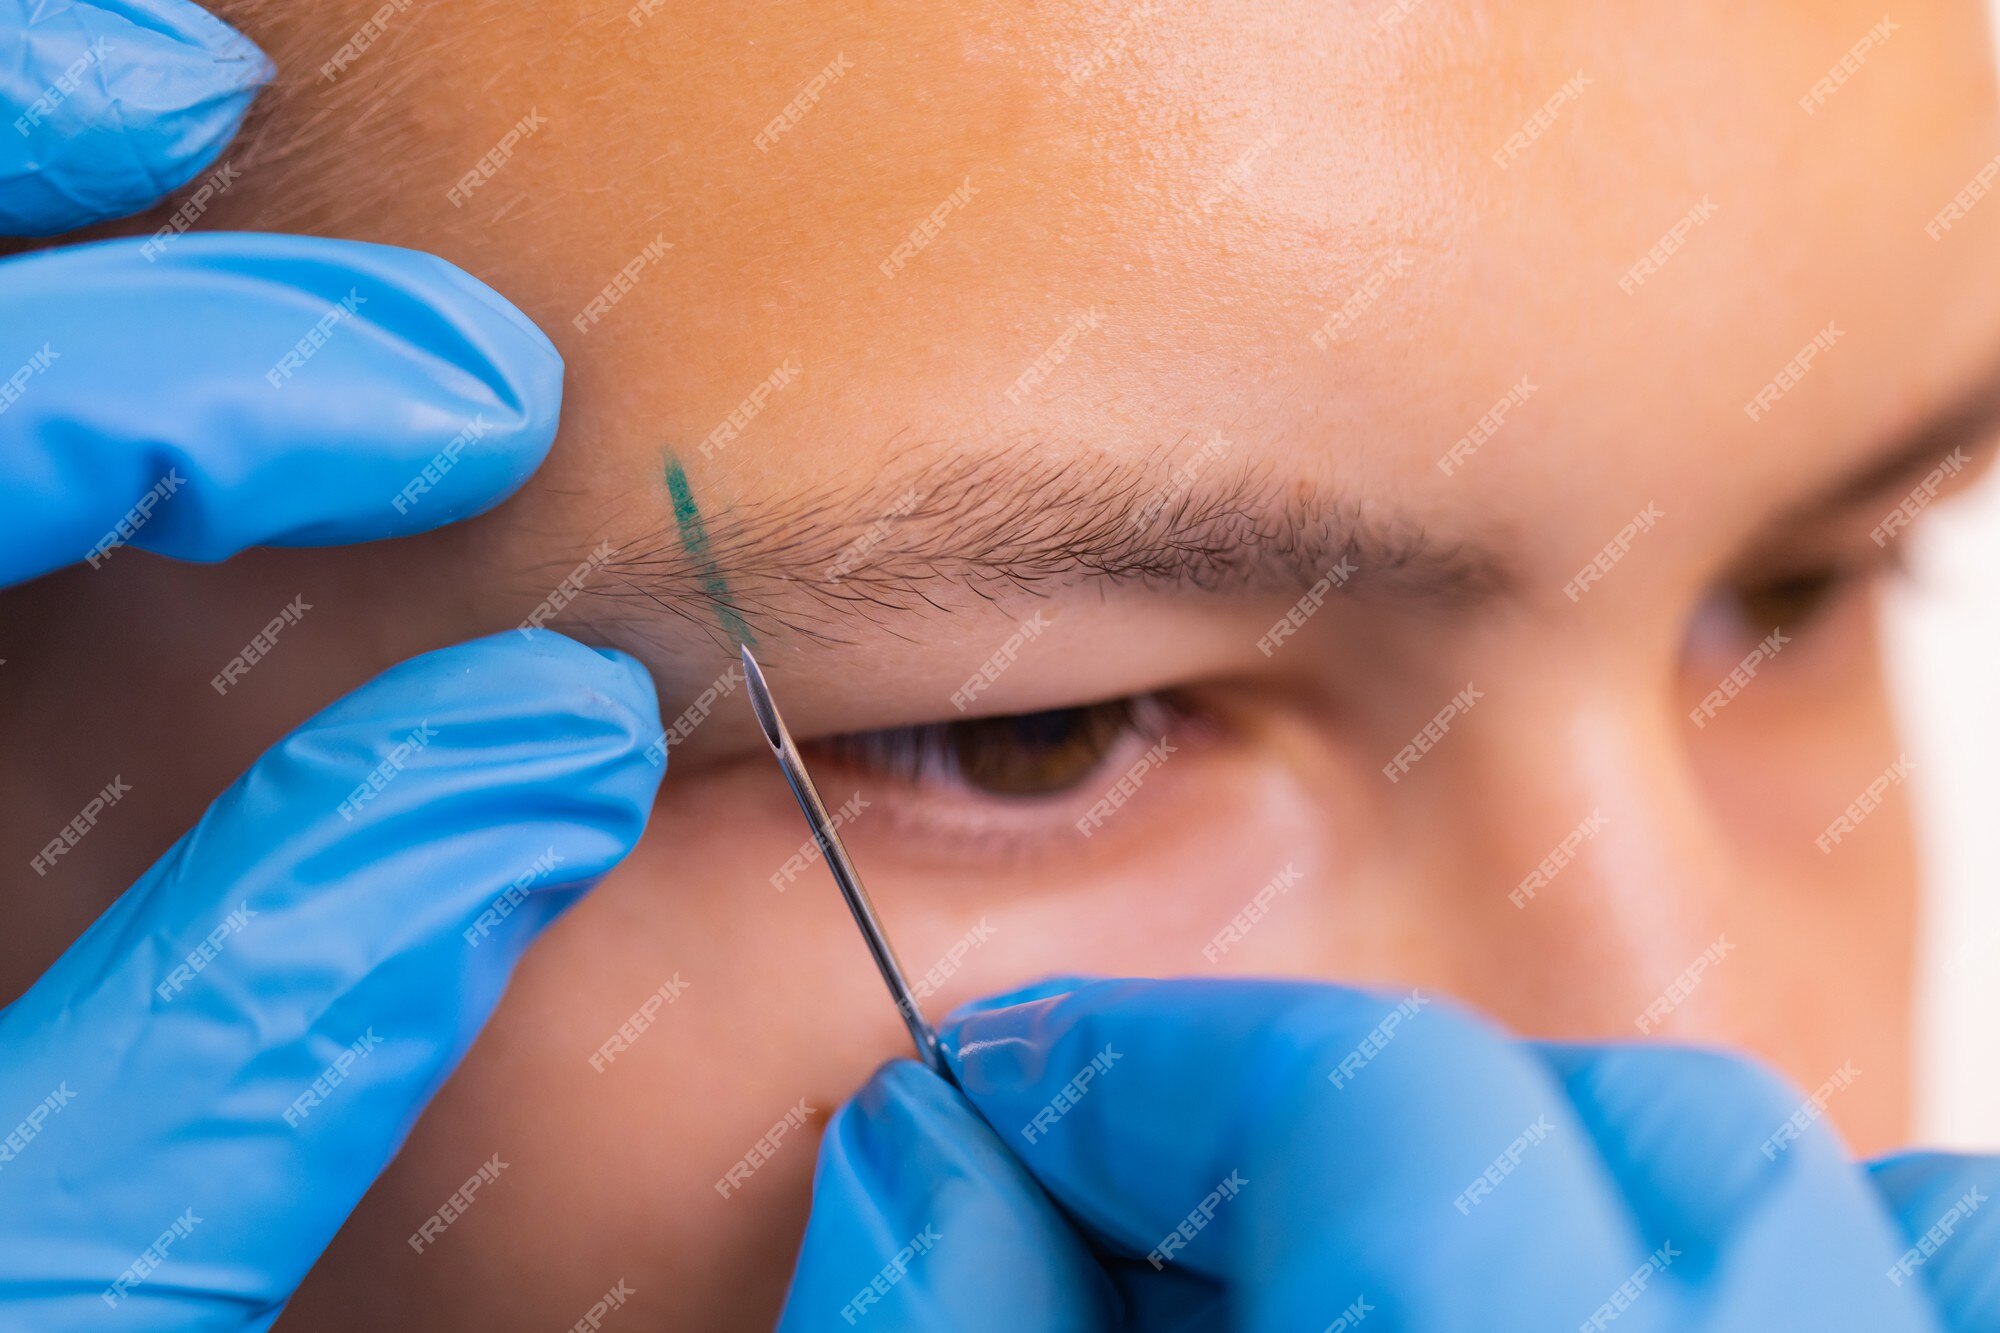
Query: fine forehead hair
312,153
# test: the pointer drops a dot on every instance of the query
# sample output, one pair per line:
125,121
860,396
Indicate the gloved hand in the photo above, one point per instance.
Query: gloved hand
1264,1155
196,1094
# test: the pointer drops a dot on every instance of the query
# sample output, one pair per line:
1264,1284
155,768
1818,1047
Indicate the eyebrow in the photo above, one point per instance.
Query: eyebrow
1969,421
944,522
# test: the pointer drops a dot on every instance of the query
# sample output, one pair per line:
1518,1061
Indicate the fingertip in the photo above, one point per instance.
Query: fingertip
116,104
261,390
1047,988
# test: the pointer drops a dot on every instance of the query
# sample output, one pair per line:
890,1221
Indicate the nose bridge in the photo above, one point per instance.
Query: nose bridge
1593,858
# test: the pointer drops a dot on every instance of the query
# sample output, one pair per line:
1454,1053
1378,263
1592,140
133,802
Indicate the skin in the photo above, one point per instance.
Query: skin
1127,193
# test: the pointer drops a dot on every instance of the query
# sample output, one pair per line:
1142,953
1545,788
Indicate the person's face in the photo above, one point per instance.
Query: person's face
1142,319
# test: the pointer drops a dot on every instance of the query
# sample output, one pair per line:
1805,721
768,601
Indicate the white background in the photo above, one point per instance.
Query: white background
1945,634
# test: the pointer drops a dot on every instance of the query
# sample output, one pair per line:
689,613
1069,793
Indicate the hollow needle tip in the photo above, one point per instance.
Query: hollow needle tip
835,855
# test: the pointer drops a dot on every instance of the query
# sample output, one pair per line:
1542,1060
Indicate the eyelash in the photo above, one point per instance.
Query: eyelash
1021,757
1801,596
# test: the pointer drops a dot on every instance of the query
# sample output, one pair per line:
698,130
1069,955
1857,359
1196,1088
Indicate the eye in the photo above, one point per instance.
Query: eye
1020,755
1793,601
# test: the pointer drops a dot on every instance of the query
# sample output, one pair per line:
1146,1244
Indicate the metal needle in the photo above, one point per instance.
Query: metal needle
823,833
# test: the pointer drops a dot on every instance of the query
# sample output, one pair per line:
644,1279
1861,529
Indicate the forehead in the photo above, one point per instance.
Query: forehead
1336,236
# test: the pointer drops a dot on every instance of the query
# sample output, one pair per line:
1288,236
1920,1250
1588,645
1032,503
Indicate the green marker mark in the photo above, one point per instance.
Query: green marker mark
694,536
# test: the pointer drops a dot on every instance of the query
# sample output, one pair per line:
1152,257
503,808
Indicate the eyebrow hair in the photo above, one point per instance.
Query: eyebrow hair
1018,520
1968,421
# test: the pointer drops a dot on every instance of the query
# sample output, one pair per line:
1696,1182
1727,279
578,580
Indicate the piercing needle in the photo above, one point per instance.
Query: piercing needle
830,847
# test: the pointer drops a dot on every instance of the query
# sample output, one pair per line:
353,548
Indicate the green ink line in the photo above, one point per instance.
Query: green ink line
694,536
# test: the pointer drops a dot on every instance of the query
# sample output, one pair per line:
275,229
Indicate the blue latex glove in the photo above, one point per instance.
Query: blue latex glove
196,1094
1195,1141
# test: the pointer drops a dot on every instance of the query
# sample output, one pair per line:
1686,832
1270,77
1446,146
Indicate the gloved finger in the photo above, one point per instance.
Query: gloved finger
1310,1148
1742,1172
225,390
1943,1205
113,104
229,1055
922,1220
1045,989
